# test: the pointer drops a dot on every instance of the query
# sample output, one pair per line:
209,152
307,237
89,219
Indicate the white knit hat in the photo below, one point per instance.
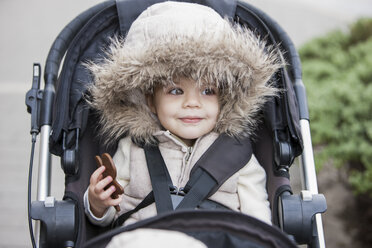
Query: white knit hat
167,19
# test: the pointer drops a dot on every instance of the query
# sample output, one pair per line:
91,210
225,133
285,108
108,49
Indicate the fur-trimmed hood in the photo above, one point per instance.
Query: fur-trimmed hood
173,39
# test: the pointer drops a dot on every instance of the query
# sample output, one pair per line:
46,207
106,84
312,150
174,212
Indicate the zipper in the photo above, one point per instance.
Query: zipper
188,153
189,149
187,156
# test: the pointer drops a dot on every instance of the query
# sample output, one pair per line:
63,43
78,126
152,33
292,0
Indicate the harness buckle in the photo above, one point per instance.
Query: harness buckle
177,195
177,191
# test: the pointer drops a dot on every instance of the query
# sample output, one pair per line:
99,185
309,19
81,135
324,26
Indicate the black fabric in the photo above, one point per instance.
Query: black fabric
263,150
212,205
62,42
77,184
146,202
230,153
215,228
160,179
129,10
282,113
199,190
70,110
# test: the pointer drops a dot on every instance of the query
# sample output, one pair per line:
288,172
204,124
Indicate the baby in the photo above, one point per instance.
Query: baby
182,77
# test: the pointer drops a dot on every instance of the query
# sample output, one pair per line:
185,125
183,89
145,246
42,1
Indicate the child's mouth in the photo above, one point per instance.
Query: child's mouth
191,120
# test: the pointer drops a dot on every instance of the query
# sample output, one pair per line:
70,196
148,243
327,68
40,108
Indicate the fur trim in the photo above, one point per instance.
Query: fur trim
236,61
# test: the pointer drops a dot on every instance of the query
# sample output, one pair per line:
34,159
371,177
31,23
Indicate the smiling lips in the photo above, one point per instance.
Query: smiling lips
191,120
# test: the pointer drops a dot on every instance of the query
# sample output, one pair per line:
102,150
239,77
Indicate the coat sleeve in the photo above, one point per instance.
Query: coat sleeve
252,191
105,220
121,160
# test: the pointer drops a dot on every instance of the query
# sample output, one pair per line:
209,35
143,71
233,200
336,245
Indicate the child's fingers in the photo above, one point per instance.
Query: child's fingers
106,195
102,184
96,175
115,202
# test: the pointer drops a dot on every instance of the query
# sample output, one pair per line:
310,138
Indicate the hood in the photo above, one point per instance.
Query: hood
174,39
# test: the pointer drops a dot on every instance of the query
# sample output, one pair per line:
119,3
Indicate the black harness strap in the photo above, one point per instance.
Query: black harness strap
200,186
225,157
160,179
144,203
161,184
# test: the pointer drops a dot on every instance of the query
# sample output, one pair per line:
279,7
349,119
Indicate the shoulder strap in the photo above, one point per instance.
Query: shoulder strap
224,157
123,217
160,179
161,184
200,186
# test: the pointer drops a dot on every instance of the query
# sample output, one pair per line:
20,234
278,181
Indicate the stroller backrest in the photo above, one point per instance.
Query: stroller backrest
74,136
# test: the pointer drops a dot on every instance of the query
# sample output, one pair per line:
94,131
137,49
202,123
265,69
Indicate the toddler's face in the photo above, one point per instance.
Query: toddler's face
185,109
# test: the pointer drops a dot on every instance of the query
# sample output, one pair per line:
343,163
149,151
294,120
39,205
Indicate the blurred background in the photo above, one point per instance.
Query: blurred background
335,47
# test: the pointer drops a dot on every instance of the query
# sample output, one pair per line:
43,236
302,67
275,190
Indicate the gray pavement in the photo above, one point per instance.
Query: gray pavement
28,28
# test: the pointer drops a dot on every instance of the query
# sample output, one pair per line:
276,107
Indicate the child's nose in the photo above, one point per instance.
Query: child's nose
192,100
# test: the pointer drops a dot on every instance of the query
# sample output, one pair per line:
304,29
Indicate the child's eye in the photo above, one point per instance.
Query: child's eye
175,91
208,91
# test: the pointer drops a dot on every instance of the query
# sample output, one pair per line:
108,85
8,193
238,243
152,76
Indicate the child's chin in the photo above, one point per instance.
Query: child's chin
191,136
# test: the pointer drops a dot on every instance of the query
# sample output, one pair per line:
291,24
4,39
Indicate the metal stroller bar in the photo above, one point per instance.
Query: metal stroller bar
308,176
307,165
53,61
55,56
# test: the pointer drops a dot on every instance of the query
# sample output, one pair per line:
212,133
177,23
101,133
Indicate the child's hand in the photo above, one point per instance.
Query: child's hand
99,197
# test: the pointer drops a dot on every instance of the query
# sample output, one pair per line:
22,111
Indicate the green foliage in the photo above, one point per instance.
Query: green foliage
337,71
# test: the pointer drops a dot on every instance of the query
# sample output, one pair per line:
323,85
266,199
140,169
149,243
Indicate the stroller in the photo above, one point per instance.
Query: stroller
68,129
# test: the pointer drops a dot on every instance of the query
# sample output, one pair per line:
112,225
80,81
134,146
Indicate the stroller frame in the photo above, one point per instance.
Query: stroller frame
40,105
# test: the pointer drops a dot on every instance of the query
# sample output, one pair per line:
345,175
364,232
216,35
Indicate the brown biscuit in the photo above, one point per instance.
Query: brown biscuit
106,160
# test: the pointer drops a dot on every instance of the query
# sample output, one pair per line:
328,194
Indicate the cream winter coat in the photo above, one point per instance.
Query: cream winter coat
245,191
170,40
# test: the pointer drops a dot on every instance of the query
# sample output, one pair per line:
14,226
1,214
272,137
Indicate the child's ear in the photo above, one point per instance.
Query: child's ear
150,103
